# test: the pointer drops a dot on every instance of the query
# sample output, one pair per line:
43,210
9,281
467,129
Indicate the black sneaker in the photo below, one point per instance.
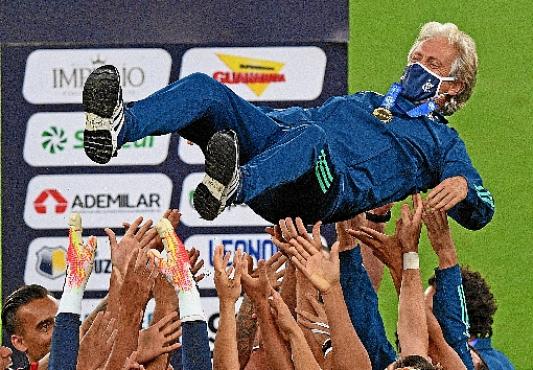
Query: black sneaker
219,186
104,113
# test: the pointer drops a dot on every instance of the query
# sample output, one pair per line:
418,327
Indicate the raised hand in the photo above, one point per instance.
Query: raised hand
346,240
440,236
139,279
196,264
408,229
438,229
320,267
80,257
289,230
228,288
176,266
257,288
159,338
96,344
448,193
272,264
121,252
385,247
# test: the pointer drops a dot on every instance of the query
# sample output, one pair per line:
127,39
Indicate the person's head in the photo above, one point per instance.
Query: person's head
447,52
412,362
28,316
480,303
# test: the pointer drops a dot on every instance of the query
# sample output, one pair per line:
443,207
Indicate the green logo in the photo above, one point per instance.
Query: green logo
322,172
54,140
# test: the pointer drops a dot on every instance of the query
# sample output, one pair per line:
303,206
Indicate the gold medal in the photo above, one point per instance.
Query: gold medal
383,114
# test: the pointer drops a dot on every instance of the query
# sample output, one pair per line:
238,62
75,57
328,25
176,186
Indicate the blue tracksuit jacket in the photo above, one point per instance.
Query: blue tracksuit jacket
449,307
326,163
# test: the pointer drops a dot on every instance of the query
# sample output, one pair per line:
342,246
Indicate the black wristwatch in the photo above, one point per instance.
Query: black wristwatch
372,217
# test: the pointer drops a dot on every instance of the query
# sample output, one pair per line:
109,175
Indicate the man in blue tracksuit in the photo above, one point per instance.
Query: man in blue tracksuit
461,294
328,163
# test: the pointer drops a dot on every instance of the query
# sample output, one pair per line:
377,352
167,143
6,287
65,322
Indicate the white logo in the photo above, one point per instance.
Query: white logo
102,200
46,264
56,76
240,215
427,86
262,74
259,246
56,139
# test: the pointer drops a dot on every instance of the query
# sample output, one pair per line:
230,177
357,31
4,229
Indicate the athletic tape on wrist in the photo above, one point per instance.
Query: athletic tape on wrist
411,261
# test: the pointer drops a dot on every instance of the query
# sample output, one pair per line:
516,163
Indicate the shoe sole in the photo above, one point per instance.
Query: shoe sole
100,95
205,203
220,149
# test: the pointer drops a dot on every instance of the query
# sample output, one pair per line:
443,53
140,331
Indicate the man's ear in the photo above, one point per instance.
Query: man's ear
18,342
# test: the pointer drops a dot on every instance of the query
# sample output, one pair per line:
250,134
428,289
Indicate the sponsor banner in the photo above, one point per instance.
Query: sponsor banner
56,139
46,264
239,215
57,76
190,154
102,200
262,74
259,246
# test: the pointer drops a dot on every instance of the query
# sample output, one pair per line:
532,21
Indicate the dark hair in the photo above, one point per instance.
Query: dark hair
17,299
415,361
480,303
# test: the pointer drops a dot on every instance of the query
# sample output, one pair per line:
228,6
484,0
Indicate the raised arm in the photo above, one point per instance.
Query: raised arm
449,305
441,352
134,294
323,270
97,343
291,229
302,356
461,192
225,356
413,338
259,289
80,260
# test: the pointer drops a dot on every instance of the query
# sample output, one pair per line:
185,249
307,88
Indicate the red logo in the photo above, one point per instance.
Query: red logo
40,202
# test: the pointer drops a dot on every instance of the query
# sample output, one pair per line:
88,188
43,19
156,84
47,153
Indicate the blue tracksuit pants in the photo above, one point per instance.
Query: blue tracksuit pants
197,106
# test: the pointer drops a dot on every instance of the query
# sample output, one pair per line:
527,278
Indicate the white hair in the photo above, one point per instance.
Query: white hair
464,68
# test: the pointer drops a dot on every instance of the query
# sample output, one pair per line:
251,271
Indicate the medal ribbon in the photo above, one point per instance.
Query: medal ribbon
391,96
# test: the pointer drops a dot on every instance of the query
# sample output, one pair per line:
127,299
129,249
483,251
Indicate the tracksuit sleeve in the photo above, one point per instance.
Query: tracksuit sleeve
196,354
477,209
362,303
65,342
449,307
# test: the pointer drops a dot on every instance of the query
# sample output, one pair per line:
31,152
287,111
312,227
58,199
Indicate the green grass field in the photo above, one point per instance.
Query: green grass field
496,126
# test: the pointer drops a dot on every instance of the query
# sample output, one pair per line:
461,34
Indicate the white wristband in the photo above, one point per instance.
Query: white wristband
410,261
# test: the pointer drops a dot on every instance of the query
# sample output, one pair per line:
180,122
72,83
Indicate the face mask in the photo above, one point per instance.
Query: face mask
419,83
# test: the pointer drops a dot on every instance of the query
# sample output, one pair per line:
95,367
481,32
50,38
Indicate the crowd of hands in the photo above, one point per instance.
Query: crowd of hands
292,315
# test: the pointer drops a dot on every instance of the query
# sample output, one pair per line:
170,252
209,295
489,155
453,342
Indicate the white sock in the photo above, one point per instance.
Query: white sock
191,305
